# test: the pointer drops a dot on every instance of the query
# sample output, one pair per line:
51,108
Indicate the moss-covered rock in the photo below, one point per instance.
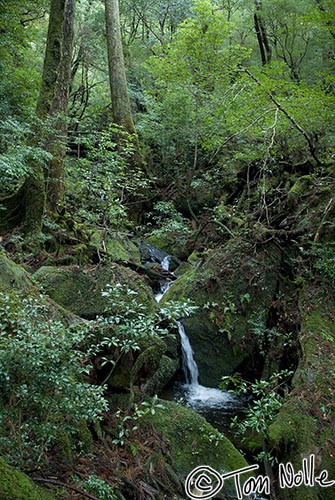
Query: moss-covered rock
13,279
12,275
170,244
166,370
230,286
148,361
80,289
305,423
14,485
194,442
118,247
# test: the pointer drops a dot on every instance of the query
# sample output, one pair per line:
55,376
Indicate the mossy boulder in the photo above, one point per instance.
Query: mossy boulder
14,278
80,289
165,371
230,286
193,441
170,243
15,485
150,369
305,423
12,275
118,247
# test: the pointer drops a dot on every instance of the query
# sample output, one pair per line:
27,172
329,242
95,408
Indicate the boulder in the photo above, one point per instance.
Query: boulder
80,289
12,275
118,247
193,442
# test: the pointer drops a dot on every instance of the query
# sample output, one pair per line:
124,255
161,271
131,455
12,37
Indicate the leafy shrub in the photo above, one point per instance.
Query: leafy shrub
100,181
129,423
42,392
324,260
133,323
169,220
16,156
267,397
99,488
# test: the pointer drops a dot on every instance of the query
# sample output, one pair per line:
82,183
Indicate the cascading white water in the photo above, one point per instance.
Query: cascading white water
165,263
190,367
163,289
198,395
201,398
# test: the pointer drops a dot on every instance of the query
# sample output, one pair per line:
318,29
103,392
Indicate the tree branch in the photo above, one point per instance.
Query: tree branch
64,485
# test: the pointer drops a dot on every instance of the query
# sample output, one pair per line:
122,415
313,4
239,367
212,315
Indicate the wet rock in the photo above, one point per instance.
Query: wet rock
230,286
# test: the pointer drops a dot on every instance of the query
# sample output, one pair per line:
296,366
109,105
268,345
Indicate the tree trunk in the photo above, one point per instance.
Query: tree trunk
262,37
54,95
117,74
34,203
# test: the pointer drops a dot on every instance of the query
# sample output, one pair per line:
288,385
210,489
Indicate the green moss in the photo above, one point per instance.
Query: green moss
193,441
118,248
164,373
228,286
148,362
120,379
84,438
14,485
169,244
194,258
12,275
183,268
64,447
305,423
293,430
15,282
79,289
298,189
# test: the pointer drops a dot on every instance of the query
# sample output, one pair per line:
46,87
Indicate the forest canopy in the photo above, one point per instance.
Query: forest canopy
216,89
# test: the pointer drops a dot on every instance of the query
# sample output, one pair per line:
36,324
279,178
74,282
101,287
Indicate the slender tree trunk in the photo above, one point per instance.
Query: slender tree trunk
54,95
262,37
117,74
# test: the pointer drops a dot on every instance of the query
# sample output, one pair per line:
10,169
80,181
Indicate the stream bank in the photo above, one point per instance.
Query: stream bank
258,312
150,459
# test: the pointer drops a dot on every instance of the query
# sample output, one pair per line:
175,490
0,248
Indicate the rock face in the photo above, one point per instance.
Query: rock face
231,287
304,425
119,249
80,289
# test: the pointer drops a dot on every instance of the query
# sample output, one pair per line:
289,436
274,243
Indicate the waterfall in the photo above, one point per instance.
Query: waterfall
165,263
201,398
189,365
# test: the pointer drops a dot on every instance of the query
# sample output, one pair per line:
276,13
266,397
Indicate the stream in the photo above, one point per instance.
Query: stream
217,406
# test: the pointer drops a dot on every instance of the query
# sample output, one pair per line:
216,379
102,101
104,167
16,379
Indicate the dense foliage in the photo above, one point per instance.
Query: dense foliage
230,138
42,392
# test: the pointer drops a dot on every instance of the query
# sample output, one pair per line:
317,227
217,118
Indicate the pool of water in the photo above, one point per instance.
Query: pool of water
216,406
